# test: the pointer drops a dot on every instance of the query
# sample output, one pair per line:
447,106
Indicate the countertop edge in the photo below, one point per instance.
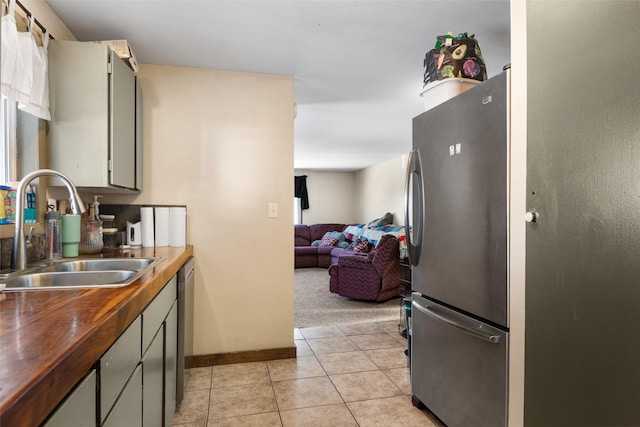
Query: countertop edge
33,403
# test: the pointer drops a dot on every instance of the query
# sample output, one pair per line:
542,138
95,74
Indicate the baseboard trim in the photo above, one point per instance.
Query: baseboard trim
204,360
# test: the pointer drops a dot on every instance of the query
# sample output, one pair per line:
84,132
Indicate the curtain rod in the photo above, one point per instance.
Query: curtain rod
42,28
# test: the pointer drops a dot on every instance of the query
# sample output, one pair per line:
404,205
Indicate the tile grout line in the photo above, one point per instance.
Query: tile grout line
373,370
334,386
324,370
206,422
273,392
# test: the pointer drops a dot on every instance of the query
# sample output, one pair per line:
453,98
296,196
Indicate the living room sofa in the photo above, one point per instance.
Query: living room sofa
363,261
308,255
314,246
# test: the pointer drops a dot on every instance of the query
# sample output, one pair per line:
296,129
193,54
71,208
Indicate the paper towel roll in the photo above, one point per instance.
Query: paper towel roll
146,225
162,226
177,226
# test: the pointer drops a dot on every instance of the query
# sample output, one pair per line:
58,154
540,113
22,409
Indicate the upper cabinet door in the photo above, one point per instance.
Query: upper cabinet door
123,124
139,135
93,117
79,101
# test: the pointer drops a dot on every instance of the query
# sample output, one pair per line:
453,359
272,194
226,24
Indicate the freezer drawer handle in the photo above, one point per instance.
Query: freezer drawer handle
494,339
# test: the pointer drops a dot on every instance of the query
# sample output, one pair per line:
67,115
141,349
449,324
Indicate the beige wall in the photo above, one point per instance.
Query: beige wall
331,197
380,189
356,197
222,143
359,196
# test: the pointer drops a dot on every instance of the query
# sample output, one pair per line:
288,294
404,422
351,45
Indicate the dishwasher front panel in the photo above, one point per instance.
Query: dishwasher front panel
458,366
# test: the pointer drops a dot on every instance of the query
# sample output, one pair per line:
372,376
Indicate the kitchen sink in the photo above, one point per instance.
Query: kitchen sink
69,279
101,264
79,273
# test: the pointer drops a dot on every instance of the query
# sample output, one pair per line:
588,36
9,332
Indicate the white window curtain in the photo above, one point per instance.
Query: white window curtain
297,211
24,66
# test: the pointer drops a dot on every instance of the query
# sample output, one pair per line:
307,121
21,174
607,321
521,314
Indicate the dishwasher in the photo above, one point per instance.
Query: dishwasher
185,325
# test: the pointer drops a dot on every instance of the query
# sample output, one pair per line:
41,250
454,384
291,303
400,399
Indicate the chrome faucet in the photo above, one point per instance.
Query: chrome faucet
19,256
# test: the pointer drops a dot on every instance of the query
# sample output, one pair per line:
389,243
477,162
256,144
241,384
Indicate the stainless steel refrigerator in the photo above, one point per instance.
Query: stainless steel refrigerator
457,211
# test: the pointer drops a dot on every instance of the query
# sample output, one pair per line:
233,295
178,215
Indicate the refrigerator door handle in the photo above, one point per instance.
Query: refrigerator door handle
431,312
414,177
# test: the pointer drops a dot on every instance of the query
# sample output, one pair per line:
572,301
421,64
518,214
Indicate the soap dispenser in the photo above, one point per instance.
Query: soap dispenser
91,230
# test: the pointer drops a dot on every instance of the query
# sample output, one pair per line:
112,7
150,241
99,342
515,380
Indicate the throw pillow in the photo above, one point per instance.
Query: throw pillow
315,243
362,246
343,244
328,241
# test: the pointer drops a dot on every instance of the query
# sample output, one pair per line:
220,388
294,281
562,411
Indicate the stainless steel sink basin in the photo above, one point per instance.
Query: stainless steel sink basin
79,273
101,264
70,279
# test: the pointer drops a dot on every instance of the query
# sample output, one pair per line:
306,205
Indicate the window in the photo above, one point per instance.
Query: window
8,154
297,211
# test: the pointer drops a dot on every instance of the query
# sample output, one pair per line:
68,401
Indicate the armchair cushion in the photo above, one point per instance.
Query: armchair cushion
354,261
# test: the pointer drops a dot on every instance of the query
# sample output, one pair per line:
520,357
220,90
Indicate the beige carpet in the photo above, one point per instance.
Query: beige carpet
316,306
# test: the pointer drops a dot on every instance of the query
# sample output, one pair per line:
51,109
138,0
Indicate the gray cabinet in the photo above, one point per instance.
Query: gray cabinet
156,312
135,384
153,375
117,366
138,136
159,344
79,407
171,360
127,412
94,131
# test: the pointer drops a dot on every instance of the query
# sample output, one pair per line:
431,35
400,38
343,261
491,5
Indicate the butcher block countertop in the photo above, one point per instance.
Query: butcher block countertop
50,339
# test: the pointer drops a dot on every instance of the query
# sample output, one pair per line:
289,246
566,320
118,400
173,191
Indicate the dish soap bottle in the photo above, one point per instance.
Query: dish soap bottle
91,230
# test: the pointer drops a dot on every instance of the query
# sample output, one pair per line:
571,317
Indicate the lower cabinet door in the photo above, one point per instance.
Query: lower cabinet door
117,364
127,411
171,361
152,375
78,409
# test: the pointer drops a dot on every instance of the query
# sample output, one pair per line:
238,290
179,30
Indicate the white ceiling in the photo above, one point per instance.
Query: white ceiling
357,64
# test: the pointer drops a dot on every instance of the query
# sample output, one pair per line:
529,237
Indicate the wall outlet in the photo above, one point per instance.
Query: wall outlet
273,210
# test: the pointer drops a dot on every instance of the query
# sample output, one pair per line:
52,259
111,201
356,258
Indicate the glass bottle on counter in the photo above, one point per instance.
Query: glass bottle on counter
53,231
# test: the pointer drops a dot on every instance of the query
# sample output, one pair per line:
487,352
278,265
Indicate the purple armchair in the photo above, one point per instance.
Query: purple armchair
374,276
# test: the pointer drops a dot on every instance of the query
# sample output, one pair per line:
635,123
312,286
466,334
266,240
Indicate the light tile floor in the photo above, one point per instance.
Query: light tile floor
347,375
